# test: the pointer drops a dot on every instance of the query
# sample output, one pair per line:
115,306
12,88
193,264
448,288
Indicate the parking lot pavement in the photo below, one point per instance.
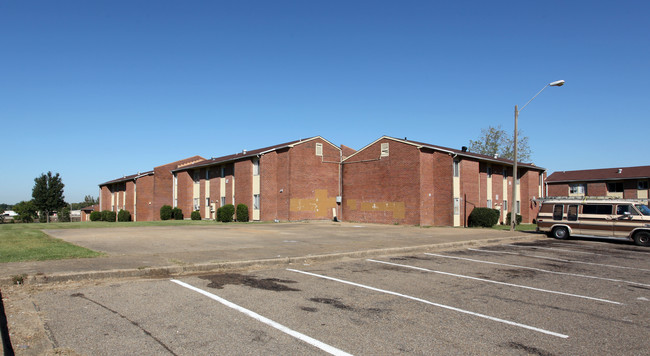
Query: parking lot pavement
175,250
544,297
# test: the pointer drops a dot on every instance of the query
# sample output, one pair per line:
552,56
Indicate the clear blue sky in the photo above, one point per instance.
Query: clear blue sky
97,89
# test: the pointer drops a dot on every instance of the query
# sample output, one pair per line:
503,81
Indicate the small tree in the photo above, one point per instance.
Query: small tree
165,212
196,215
495,140
227,212
48,194
64,214
517,222
108,216
242,212
123,216
177,214
26,211
483,217
95,216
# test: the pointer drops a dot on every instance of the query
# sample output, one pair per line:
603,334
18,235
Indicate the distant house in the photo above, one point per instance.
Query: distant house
85,212
625,182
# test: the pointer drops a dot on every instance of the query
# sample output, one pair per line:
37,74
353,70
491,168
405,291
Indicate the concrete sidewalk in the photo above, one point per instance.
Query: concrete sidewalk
176,250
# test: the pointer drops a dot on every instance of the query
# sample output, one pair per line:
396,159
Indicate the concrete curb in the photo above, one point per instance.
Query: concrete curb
174,271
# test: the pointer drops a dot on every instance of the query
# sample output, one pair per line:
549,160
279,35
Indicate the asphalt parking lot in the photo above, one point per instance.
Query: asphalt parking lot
542,297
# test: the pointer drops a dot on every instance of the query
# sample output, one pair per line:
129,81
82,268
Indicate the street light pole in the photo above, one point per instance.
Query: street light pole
513,212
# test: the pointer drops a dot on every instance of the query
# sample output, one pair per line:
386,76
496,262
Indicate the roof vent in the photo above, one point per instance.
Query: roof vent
496,155
620,171
464,148
243,152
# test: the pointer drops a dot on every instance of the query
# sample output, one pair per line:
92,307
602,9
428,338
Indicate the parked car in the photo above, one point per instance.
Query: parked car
621,219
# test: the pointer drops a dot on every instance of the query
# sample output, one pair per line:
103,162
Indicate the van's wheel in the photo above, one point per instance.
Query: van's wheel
560,233
642,238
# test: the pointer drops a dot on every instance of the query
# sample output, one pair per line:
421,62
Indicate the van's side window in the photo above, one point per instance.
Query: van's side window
600,209
572,213
558,211
622,209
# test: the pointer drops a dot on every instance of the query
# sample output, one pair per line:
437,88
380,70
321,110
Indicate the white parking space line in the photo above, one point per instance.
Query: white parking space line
558,259
539,269
547,332
496,282
556,249
327,348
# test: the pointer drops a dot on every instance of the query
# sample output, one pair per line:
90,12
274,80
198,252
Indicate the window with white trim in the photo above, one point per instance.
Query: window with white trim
223,201
489,203
456,206
256,201
207,201
319,149
256,166
384,149
518,207
577,188
456,168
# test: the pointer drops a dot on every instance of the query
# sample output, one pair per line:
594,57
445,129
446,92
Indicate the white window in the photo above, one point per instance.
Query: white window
505,205
207,201
175,193
456,206
577,188
489,203
319,149
256,201
518,207
384,149
196,204
256,166
223,201
456,168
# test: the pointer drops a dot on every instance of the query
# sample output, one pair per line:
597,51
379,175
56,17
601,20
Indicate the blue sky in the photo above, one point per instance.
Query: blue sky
97,89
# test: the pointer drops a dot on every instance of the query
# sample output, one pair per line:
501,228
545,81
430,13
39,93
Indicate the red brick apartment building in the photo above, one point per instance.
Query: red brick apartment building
625,182
297,180
407,182
388,181
142,194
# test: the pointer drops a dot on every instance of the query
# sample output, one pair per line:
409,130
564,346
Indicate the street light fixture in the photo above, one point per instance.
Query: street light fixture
513,212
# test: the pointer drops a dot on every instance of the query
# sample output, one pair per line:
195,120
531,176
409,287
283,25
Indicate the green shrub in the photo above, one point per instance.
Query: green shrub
483,217
227,212
165,212
242,212
95,216
42,217
196,215
219,214
123,216
108,216
517,222
64,214
177,214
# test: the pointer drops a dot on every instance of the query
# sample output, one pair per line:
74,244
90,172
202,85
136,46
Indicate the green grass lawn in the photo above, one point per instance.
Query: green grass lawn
520,227
26,242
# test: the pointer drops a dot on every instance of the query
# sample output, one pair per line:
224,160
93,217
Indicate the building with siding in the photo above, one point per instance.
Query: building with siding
624,182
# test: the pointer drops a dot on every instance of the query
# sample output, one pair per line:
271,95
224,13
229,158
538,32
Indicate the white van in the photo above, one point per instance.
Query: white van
605,218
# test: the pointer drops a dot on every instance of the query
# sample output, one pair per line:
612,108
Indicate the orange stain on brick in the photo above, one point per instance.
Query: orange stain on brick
321,204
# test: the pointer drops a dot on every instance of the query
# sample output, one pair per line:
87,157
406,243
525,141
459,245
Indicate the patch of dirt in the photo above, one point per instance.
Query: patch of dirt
333,302
218,281
309,309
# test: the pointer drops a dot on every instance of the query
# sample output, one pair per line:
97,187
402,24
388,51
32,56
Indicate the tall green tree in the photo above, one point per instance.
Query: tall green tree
496,141
48,194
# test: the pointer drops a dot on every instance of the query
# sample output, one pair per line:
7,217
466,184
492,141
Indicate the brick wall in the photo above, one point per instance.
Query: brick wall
443,202
383,190
144,199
